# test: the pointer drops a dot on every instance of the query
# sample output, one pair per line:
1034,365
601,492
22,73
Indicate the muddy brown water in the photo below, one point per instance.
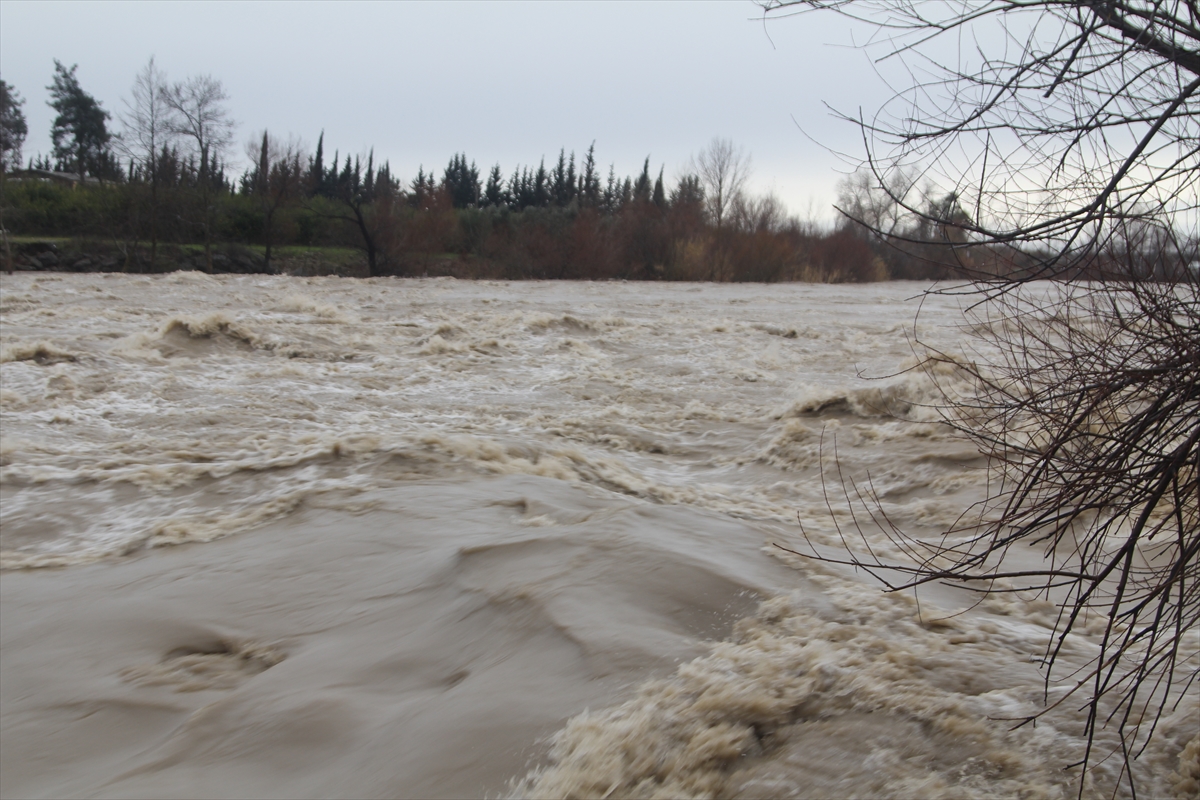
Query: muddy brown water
271,536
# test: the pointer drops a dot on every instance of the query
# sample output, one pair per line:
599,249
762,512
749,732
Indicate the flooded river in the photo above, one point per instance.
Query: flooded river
283,537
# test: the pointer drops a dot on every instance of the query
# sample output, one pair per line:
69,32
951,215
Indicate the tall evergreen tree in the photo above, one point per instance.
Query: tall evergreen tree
572,185
528,194
541,186
417,187
263,171
660,196
385,184
493,195
369,176
331,177
688,193
316,168
13,127
462,181
514,190
80,131
642,189
589,182
612,191
558,179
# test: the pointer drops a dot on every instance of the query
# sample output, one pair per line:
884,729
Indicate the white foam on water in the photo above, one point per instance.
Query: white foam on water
141,413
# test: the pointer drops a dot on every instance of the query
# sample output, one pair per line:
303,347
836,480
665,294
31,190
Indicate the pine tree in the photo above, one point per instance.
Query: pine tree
493,195
418,187
558,180
369,178
642,189
316,168
331,177
80,131
572,185
589,182
263,171
688,193
462,181
13,127
660,197
611,191
541,186
514,189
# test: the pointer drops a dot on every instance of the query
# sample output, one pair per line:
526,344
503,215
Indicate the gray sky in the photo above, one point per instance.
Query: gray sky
502,82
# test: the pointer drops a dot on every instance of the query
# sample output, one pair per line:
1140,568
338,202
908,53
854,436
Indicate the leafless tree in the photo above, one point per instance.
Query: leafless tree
278,178
765,213
723,171
1083,117
368,202
1065,144
201,118
148,125
863,200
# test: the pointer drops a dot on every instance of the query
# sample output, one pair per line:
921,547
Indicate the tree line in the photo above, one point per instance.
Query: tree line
162,174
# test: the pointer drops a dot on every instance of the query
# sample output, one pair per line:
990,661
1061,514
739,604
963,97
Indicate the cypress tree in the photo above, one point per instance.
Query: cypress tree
369,178
528,196
263,170
572,187
514,189
689,192
462,181
493,195
316,168
642,189
611,191
472,184
589,182
660,196
541,186
558,190
418,187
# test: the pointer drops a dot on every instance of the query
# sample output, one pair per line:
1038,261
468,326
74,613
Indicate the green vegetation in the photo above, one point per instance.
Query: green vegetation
165,180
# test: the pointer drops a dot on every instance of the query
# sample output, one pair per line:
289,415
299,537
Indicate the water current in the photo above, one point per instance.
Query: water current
273,536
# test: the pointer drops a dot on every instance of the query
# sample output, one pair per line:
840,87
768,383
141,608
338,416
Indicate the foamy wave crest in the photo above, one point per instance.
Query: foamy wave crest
196,336
610,473
805,701
304,304
923,394
210,327
39,352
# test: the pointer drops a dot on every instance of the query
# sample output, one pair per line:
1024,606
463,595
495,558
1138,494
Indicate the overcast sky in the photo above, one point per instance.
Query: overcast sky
502,82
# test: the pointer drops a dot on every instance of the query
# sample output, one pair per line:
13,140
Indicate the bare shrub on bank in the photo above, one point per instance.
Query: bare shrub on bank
1063,143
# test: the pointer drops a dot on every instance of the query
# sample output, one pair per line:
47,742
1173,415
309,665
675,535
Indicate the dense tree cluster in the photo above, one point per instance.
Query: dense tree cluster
165,176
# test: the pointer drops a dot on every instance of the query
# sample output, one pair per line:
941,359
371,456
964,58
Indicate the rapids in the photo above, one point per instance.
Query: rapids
272,536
